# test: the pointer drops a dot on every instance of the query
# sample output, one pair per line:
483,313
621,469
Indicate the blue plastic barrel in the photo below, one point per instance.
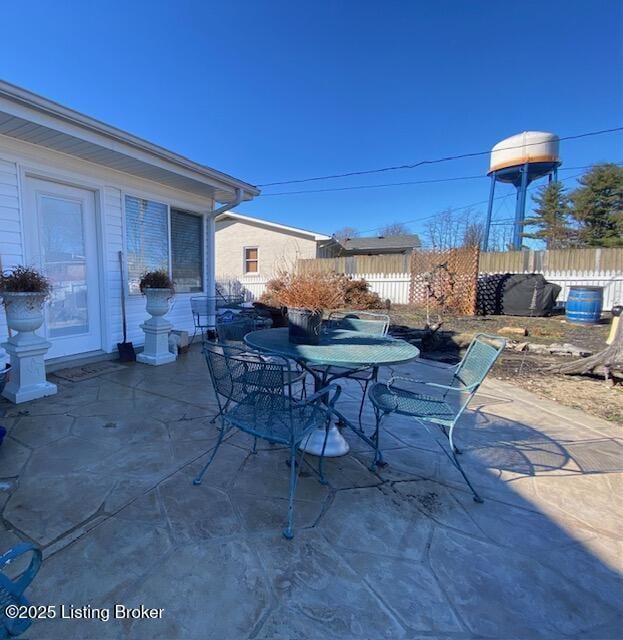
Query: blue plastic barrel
584,304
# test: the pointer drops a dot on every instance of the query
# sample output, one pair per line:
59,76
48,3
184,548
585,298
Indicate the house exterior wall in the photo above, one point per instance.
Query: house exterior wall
277,249
19,159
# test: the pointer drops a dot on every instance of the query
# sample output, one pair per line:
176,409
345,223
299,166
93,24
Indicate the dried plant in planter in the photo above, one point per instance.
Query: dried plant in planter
22,279
156,280
313,291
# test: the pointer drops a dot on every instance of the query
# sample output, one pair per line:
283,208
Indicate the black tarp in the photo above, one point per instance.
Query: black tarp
516,294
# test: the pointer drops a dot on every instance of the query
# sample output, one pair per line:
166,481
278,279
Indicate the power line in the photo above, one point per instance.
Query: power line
469,206
370,186
436,161
392,184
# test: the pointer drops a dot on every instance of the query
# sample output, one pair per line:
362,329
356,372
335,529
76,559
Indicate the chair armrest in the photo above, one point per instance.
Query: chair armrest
27,577
438,365
436,385
323,392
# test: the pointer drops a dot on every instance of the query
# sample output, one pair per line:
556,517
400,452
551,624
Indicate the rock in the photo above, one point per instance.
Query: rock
521,331
567,349
533,347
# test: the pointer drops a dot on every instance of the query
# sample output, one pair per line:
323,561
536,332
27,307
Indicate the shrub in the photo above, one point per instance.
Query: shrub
320,291
315,292
156,280
22,279
356,294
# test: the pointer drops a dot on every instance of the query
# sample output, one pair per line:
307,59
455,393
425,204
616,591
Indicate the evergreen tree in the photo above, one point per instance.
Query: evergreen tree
550,217
598,206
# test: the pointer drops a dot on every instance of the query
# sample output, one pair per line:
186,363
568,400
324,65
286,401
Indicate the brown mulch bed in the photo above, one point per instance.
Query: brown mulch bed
524,369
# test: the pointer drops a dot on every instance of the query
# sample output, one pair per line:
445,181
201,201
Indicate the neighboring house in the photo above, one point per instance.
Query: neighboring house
249,249
371,246
74,192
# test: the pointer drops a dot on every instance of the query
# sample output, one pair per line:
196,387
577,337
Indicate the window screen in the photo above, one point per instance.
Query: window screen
250,260
147,238
187,251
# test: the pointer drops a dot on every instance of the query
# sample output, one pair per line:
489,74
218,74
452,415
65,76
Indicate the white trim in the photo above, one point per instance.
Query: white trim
275,225
39,110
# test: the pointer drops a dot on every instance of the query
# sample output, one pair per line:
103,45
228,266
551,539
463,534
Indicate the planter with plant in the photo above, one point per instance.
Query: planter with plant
307,296
24,291
158,289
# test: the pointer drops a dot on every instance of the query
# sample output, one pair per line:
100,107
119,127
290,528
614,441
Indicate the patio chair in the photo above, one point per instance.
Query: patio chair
440,404
231,334
12,590
254,395
364,322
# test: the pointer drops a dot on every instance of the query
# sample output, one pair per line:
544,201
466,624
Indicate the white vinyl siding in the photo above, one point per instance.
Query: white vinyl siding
11,252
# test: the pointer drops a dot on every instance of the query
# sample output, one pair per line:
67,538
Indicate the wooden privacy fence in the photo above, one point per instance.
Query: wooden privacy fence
391,275
596,260
596,267
381,265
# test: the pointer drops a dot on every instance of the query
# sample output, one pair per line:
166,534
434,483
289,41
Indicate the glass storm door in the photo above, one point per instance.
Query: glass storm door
61,240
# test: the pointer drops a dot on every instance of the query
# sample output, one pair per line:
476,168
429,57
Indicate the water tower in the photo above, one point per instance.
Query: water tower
520,160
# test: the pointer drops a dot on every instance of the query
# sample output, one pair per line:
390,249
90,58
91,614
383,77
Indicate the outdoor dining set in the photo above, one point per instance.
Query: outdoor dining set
260,379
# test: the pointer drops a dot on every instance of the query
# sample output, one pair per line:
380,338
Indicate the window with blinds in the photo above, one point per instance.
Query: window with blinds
186,251
147,238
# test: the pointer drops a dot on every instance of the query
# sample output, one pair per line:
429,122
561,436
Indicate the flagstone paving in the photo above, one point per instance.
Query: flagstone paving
100,476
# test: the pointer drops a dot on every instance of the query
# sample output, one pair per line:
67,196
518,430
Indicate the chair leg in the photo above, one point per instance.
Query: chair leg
294,474
199,478
457,464
363,402
378,455
221,411
323,481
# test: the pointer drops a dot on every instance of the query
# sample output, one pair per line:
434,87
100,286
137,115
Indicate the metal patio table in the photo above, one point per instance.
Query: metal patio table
351,351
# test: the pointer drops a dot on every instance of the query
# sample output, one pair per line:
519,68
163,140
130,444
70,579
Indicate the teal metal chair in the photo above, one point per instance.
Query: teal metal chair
255,396
440,404
12,590
376,324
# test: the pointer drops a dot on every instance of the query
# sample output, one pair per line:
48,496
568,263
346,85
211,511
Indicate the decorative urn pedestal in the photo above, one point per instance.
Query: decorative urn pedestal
157,329
24,315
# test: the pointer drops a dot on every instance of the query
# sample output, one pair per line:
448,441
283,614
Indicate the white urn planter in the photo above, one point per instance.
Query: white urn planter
157,328
26,349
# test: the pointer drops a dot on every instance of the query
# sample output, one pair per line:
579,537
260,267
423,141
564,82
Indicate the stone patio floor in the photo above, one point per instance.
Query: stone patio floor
100,477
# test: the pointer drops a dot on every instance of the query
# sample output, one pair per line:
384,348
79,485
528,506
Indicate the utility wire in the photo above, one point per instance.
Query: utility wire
392,184
469,206
436,161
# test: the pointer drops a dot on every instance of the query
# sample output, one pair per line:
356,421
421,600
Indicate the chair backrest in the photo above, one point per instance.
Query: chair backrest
245,378
480,356
362,321
233,332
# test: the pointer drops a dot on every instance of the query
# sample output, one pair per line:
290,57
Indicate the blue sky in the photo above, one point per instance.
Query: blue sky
270,91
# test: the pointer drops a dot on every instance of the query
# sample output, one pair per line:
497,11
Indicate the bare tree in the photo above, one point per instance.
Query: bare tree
395,229
444,230
346,232
473,234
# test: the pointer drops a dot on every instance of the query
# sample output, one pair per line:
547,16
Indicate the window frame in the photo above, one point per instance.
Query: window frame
183,208
245,260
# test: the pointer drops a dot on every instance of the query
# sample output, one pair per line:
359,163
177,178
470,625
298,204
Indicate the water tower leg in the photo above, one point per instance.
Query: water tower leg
520,211
485,238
